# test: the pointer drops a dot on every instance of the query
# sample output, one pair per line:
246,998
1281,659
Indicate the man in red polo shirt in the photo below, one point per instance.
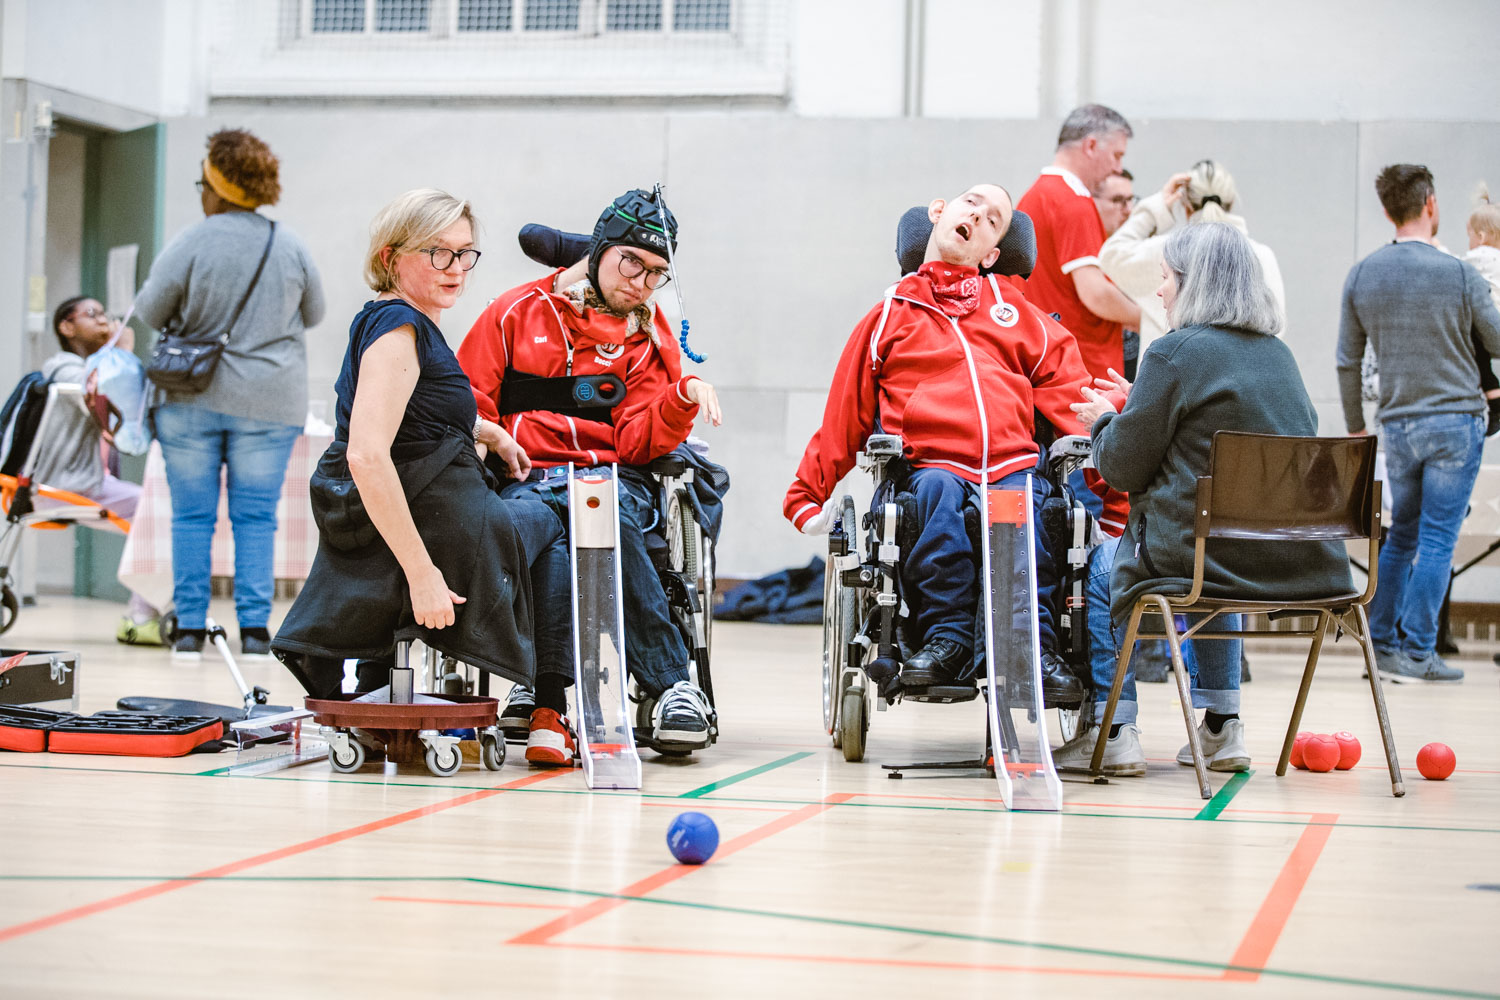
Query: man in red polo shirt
1068,281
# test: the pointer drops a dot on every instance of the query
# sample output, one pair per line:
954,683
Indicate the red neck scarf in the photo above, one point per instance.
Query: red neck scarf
955,288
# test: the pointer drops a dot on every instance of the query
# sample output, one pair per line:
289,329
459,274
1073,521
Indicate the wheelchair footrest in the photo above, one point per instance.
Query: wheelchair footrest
941,694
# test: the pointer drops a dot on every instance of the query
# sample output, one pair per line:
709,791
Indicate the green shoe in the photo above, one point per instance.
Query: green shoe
146,633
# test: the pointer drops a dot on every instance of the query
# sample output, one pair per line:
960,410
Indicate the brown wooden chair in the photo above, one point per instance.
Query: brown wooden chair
1266,487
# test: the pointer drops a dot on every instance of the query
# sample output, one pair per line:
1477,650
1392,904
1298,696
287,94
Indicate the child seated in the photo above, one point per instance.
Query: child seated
954,363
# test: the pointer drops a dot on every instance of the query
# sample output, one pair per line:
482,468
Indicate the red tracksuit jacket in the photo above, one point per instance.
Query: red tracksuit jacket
916,368
531,330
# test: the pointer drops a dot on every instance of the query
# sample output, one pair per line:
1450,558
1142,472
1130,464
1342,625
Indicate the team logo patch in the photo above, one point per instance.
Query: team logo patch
1005,314
609,352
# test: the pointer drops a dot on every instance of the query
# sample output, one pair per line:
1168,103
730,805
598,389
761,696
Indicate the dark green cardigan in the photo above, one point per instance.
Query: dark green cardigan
1192,382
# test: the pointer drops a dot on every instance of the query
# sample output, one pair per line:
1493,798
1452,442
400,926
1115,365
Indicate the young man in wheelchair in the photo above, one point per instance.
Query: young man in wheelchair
597,317
947,341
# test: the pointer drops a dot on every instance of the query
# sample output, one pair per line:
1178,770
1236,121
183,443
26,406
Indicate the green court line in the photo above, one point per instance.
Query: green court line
1221,798
714,786
925,932
789,804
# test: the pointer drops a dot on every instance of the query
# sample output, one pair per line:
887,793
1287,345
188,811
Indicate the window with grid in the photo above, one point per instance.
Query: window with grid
485,16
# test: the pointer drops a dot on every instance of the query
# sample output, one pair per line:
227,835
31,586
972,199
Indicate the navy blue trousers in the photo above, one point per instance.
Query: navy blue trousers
655,653
941,572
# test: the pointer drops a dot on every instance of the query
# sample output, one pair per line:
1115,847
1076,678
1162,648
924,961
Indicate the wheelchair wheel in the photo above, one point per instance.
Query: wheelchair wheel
854,722
840,619
1070,720
10,608
683,536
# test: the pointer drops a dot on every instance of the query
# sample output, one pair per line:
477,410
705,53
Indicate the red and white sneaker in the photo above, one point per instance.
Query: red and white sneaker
549,743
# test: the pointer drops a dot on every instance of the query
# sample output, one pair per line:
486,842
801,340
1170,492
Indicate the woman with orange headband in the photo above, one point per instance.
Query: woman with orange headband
241,273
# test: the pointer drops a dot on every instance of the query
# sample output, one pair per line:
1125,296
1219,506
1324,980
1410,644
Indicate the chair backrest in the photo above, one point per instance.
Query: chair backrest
1276,488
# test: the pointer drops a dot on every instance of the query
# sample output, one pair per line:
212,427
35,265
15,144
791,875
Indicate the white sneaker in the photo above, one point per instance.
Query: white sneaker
1123,756
1224,752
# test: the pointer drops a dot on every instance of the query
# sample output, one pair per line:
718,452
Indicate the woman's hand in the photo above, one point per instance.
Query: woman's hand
707,399
495,438
1115,383
431,600
1094,407
1175,188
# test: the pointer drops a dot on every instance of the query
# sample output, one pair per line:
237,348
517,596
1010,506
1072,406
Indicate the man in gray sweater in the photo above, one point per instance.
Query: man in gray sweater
1421,311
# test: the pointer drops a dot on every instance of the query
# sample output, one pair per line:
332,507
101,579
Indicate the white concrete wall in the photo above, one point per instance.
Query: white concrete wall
788,230
145,55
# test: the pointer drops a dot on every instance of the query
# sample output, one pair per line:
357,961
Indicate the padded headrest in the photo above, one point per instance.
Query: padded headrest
1017,247
552,247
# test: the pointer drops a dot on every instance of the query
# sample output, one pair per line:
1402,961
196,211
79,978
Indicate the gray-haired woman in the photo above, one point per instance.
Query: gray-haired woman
1221,367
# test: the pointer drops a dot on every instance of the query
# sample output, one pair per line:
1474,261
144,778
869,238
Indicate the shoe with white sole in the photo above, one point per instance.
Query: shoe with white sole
683,718
1224,750
550,743
1123,756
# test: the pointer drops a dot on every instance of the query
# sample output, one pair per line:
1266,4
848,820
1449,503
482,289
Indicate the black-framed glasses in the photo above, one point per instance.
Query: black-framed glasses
1123,200
442,258
199,185
633,267
95,313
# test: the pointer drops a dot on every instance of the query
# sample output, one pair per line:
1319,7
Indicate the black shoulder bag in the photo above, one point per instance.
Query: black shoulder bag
184,365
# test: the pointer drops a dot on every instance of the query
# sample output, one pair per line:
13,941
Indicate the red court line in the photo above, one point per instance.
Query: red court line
598,907
150,891
1265,930
473,902
899,963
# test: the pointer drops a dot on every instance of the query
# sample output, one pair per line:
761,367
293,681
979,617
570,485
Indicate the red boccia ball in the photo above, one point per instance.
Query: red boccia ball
1297,744
1436,761
1349,749
1320,752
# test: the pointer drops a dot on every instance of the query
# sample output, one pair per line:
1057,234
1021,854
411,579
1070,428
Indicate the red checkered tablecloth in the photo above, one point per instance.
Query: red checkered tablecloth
146,564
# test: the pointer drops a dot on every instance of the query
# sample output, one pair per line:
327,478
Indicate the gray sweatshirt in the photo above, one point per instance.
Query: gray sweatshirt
196,283
72,460
1420,310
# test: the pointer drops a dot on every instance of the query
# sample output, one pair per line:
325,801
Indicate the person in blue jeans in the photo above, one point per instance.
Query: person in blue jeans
1219,367
1422,312
234,273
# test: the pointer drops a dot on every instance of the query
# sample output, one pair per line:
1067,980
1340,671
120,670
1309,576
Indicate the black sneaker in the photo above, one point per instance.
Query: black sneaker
515,719
255,642
189,645
683,717
938,662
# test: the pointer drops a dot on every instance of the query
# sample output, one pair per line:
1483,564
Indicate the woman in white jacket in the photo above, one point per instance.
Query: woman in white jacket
1132,256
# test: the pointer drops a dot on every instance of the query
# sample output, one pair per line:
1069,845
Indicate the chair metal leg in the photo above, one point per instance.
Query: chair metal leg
1184,694
1126,648
1324,618
1360,628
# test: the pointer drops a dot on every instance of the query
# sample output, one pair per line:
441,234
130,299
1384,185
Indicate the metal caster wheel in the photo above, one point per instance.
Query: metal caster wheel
347,756
444,763
854,722
491,752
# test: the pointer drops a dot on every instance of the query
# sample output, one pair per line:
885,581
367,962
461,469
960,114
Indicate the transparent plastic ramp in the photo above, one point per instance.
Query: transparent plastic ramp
1018,729
601,688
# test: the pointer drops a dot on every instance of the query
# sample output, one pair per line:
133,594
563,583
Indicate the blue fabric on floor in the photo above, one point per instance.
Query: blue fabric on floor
787,597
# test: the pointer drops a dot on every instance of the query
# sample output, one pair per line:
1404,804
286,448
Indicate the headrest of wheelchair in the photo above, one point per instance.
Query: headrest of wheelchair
552,247
1017,247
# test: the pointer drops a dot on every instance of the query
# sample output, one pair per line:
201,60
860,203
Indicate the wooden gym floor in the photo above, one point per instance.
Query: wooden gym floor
212,876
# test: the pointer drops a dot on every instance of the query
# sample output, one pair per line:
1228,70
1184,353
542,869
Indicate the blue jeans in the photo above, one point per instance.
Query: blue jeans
655,652
941,572
1430,467
195,444
1214,663
1087,498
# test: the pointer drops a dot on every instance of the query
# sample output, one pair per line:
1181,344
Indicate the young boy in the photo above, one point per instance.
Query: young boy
954,363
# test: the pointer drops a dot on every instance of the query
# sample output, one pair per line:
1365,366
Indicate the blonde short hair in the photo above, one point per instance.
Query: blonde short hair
1485,220
410,222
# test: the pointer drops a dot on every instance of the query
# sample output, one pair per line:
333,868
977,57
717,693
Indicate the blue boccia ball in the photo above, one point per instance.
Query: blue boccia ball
692,838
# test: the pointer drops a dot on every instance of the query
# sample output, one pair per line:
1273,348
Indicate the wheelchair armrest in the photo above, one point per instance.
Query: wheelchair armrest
1071,446
668,465
883,446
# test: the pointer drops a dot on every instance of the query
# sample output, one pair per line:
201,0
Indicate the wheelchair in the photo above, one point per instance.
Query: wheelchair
864,608
865,611
681,539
